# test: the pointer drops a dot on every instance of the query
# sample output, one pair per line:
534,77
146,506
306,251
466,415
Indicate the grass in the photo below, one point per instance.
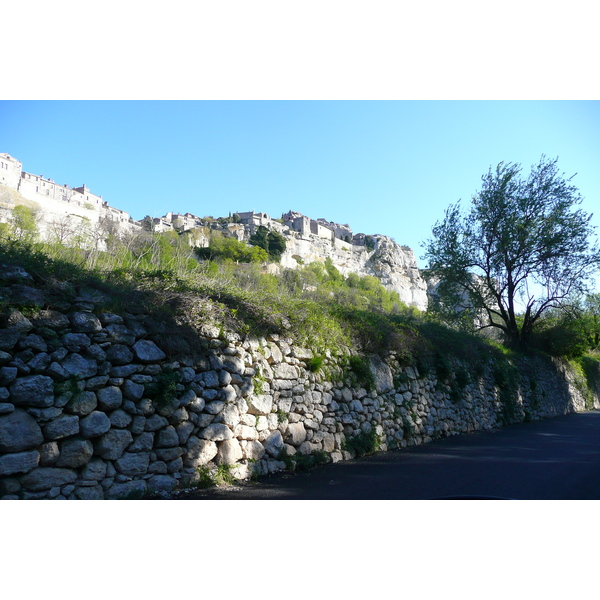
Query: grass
313,305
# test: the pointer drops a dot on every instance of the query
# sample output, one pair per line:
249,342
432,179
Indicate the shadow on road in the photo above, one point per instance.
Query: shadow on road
557,458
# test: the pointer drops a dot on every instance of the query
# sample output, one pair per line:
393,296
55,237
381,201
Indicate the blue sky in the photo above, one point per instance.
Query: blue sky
389,167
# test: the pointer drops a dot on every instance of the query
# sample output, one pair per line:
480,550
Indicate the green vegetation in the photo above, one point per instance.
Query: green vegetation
230,249
315,363
314,305
271,241
363,443
304,462
24,222
361,372
163,390
211,477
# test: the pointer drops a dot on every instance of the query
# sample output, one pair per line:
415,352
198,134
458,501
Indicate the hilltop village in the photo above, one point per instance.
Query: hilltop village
62,209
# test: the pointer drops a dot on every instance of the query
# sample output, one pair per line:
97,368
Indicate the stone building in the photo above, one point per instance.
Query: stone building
59,201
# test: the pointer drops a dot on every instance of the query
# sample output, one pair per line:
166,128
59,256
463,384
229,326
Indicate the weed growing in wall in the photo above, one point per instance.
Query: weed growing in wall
163,389
363,443
315,363
506,378
360,372
305,462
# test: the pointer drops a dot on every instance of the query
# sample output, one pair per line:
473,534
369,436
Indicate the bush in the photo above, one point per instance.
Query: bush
359,367
565,339
363,443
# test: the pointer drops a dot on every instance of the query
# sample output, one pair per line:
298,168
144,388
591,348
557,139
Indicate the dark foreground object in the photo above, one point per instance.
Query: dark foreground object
555,459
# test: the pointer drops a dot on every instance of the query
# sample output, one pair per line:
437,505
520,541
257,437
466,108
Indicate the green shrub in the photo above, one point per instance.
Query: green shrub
360,369
363,443
315,363
163,389
305,462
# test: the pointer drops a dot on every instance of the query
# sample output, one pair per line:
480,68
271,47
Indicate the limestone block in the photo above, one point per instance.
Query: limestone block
33,390
132,391
210,379
384,381
130,489
230,415
188,398
295,434
214,408
109,398
8,374
120,419
228,394
119,354
82,404
260,404
40,362
216,432
17,320
155,422
244,432
161,483
285,371
229,452
158,466
44,478
167,437
19,462
328,442
94,492
168,454
247,419
144,442
62,426
179,416
120,334
85,322
199,452
234,364
19,431
273,444
95,470
108,318
95,424
80,367
184,430
75,453
133,464
262,424
9,338
147,351
252,449
113,443
49,453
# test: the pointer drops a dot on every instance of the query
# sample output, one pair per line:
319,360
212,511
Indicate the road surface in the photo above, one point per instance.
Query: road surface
557,459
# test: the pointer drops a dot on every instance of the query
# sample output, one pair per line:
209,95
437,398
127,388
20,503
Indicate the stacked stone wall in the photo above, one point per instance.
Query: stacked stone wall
92,408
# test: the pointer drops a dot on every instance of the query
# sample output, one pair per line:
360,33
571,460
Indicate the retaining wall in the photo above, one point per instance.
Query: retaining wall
91,408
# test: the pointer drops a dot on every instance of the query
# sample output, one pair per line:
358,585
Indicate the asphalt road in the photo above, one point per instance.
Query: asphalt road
555,459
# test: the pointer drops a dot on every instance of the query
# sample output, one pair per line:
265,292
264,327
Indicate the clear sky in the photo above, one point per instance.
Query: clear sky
389,167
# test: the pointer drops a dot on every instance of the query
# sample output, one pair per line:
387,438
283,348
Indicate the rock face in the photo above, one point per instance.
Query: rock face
394,265
90,423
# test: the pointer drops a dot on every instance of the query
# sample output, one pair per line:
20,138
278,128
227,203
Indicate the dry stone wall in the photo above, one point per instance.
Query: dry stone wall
91,408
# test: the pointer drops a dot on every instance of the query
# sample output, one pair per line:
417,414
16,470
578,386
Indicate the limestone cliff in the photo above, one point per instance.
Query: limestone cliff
394,265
